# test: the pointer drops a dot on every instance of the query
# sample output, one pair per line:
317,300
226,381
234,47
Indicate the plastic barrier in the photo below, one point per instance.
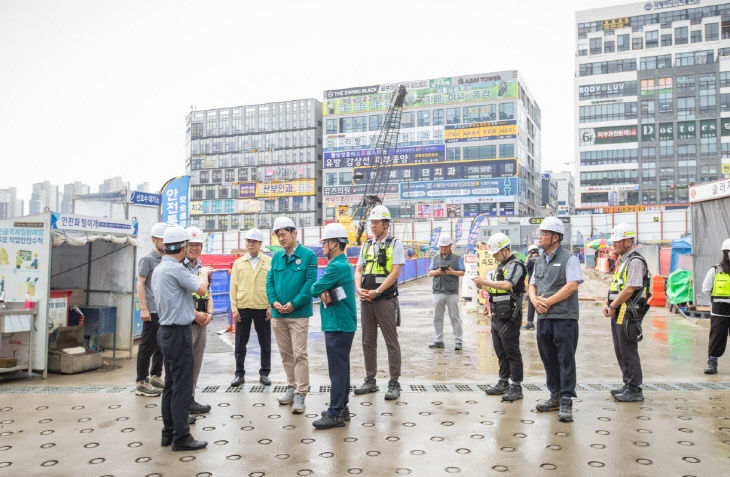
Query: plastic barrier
658,295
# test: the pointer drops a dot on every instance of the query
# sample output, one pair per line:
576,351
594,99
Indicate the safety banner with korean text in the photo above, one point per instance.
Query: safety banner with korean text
175,201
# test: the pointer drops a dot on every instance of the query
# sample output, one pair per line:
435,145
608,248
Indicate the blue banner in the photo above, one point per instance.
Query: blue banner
145,198
175,201
435,238
459,227
502,189
474,231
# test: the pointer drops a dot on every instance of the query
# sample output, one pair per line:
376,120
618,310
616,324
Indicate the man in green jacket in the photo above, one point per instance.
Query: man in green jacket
338,311
288,286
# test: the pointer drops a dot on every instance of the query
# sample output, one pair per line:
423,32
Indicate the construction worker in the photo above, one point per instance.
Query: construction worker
554,293
446,268
149,379
173,286
288,287
506,292
203,313
250,305
376,278
626,306
533,251
336,289
717,284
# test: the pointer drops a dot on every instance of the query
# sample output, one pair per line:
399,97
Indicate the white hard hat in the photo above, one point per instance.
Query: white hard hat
497,242
623,231
533,248
553,224
158,230
283,223
445,240
195,235
254,234
334,231
726,244
379,212
174,234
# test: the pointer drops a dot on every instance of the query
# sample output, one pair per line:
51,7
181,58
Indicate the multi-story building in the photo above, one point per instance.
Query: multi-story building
45,196
69,192
549,194
143,187
10,206
250,164
566,192
113,184
467,145
652,102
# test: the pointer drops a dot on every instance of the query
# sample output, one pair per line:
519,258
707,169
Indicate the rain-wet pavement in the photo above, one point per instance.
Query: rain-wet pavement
443,424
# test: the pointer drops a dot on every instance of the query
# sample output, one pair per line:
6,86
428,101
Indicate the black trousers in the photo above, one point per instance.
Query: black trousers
176,342
557,341
627,354
338,344
719,330
243,332
530,312
149,350
506,341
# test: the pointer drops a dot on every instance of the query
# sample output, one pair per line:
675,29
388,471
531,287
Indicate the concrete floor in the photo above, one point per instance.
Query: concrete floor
91,424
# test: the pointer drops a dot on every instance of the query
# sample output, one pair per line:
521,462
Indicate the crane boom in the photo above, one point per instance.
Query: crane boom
378,174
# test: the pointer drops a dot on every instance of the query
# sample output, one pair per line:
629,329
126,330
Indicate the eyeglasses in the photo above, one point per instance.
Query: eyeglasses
544,233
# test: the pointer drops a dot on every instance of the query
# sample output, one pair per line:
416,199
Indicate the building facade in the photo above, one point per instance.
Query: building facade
250,164
566,192
113,184
69,192
45,196
549,194
467,145
10,205
652,97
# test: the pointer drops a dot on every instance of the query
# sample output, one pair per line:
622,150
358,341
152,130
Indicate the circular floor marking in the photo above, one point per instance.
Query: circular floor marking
644,461
453,470
134,444
282,456
5,464
350,439
507,449
691,460
305,472
233,457
247,428
403,471
641,444
554,447
354,471
686,443
437,439
142,460
91,445
326,455
392,438
187,458
598,446
500,468
307,441
417,452
49,463
548,466
596,463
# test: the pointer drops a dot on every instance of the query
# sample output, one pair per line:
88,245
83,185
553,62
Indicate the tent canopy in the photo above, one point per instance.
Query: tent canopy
680,246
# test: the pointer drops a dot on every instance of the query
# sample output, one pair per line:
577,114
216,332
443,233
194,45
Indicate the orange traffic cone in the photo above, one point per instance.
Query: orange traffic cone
658,296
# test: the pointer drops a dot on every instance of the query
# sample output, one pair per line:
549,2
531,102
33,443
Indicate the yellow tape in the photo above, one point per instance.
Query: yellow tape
621,313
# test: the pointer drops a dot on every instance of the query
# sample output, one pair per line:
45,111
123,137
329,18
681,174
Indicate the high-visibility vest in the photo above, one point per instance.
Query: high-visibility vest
720,295
373,273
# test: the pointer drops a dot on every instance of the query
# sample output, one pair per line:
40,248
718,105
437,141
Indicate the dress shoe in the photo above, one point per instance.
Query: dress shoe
188,443
166,439
238,381
265,380
197,408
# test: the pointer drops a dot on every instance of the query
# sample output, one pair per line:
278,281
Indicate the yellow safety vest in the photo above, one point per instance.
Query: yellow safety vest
374,273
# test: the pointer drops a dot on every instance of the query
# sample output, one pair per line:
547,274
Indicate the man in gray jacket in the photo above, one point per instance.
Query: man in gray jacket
446,268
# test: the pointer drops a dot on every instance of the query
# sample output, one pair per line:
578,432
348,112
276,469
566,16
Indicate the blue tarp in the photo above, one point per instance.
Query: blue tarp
682,246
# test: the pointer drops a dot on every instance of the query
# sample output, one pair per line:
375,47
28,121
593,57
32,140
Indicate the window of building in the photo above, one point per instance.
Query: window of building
210,192
606,67
595,46
607,90
438,117
708,173
667,40
204,177
506,150
453,154
656,62
599,198
696,36
608,112
686,108
622,42
687,150
725,102
453,115
609,46
648,197
666,149
637,43
346,177
330,178
610,156
685,82
506,111
647,111
665,101
708,146
230,175
708,100
667,196
374,122
652,39
681,36
479,152
408,120
712,31
424,118
331,126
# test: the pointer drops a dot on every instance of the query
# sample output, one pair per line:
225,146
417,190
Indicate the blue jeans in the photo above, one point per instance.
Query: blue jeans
338,344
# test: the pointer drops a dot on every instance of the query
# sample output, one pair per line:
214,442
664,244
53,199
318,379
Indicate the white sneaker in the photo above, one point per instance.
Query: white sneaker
287,397
146,389
298,406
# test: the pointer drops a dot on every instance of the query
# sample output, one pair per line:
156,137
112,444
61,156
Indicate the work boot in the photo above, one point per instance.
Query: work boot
514,393
566,409
529,326
345,414
197,408
630,394
298,406
238,381
157,382
191,419
552,404
497,389
436,345
288,397
146,389
328,422
188,443
619,390
166,439
265,380
711,367
393,390
368,386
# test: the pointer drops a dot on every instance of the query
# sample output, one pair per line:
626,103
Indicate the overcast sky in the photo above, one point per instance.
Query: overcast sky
95,89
